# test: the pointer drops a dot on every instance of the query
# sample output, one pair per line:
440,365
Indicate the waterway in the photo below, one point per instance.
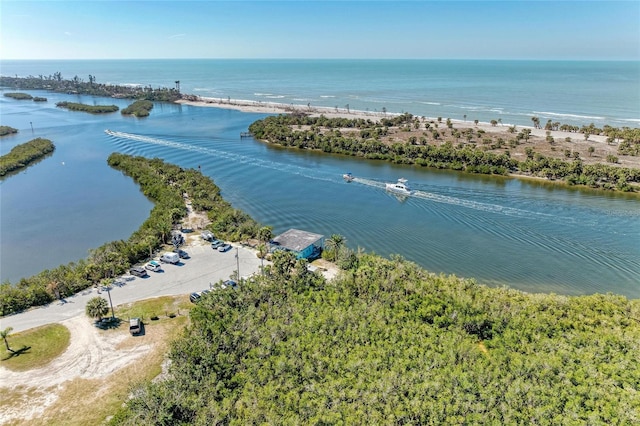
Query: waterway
527,235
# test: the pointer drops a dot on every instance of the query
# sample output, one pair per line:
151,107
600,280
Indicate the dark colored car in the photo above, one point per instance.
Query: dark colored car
230,283
138,271
183,254
194,297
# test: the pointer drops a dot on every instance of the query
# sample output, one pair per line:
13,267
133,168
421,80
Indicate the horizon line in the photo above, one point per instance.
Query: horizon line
332,59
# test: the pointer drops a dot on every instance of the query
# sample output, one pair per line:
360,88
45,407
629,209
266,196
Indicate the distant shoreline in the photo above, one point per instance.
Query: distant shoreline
279,108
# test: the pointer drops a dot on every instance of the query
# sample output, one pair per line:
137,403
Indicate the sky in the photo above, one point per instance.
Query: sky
571,30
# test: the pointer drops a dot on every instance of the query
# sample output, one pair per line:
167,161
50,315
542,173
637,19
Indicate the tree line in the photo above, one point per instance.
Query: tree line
24,154
93,109
323,134
164,184
77,85
390,343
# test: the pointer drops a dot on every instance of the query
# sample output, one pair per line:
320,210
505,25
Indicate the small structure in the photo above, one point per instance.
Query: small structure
304,244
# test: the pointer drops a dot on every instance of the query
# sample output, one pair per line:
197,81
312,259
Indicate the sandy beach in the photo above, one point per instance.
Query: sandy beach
315,111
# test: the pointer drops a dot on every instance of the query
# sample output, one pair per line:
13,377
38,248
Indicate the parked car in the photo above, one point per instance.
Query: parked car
194,297
138,271
153,266
216,243
207,236
224,247
230,283
181,253
170,258
135,326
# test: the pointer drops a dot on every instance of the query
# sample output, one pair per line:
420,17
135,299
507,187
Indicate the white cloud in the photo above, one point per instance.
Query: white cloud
177,36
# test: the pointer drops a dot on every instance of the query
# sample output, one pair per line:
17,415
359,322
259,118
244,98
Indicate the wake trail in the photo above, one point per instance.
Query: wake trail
454,201
217,153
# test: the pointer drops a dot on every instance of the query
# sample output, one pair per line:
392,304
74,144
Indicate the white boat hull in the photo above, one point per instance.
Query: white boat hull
399,190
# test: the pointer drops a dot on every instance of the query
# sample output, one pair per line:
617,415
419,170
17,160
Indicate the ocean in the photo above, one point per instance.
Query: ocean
572,92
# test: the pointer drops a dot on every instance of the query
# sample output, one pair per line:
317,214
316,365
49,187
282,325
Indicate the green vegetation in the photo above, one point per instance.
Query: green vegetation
55,82
138,108
93,109
39,99
18,96
362,138
157,307
36,347
165,184
6,130
389,343
96,308
22,155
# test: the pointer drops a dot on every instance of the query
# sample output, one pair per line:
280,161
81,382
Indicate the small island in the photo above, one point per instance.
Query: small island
19,96
93,109
24,154
140,108
7,130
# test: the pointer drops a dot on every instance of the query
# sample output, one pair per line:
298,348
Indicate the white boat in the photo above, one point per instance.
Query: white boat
348,177
400,187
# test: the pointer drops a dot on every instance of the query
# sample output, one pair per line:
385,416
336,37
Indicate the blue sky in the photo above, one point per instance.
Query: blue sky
601,30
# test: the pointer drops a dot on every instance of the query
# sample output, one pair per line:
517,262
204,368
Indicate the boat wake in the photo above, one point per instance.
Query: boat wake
454,201
218,153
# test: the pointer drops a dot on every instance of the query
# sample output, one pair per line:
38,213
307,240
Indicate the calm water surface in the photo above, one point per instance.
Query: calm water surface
500,231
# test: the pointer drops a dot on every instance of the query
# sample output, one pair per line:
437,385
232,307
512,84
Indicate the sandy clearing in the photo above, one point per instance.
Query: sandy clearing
92,354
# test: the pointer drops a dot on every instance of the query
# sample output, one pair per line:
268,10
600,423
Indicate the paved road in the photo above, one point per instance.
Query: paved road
204,267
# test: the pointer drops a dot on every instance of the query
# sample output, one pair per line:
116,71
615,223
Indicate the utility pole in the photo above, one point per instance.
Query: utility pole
238,264
113,315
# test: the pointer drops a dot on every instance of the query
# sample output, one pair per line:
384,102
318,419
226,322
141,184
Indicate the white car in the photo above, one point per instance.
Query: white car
224,247
153,266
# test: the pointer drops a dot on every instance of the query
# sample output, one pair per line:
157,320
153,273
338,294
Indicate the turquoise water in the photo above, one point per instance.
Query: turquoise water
501,231
574,92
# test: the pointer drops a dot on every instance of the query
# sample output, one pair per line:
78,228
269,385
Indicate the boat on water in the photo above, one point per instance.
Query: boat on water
400,187
348,177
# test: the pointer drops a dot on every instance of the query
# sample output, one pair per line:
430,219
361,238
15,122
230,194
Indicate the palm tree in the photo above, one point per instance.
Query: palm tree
335,244
97,308
4,334
536,122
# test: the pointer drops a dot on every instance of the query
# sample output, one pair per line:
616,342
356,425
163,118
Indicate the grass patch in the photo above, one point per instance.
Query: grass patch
35,347
159,306
90,402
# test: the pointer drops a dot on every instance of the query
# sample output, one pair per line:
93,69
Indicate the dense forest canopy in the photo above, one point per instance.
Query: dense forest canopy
389,343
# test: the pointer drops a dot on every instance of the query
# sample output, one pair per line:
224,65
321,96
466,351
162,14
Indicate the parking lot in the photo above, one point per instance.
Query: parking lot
204,267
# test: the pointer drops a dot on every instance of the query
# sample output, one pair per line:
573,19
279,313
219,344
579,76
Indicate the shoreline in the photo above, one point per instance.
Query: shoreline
250,106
